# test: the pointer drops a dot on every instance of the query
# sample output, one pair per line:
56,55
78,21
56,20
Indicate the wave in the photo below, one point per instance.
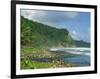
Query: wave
80,51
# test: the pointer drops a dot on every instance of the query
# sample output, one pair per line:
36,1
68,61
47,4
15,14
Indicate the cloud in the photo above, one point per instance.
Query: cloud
28,13
32,14
72,15
74,34
49,17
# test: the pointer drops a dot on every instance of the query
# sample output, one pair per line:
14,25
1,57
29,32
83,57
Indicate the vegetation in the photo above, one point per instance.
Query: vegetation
53,60
80,43
36,39
40,35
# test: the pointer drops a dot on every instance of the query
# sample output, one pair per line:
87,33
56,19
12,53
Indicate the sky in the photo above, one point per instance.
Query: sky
77,23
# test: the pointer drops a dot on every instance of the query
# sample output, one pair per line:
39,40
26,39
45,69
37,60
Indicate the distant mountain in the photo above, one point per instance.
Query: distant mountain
80,43
40,35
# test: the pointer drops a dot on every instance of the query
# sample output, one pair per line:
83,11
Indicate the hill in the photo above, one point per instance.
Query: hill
40,35
80,43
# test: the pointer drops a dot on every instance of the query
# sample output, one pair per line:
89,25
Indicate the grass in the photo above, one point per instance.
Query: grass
27,64
29,50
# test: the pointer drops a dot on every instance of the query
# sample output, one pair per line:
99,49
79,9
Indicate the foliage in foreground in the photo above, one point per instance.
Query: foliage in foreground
27,64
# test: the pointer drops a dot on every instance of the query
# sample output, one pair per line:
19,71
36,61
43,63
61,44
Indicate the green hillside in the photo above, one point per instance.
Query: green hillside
36,34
